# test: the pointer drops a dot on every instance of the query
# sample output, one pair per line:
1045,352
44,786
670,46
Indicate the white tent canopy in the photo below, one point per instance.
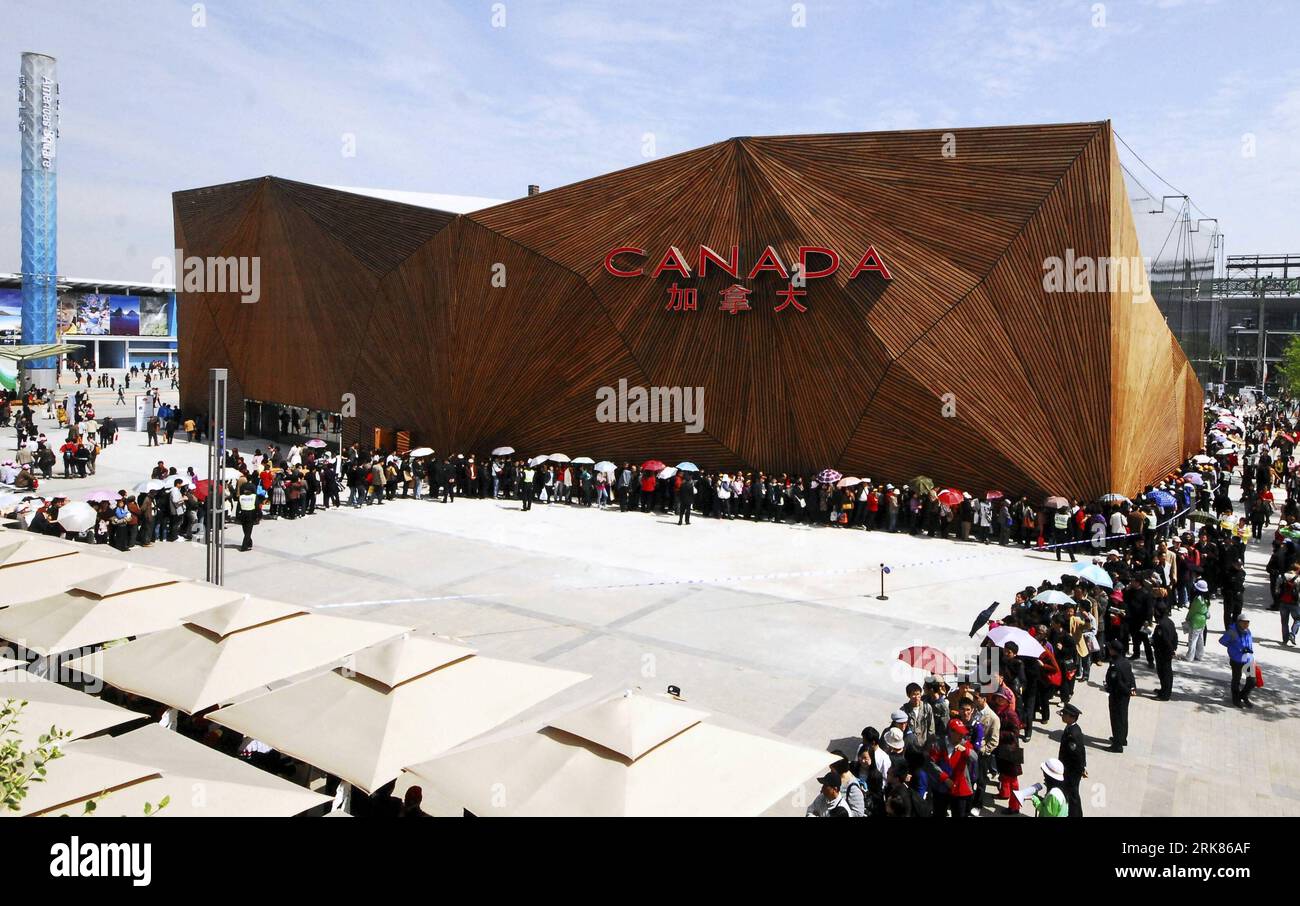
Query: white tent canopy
36,567
219,654
151,764
397,703
51,705
126,601
632,755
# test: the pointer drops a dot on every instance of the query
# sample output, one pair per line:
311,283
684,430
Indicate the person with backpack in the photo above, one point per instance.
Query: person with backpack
1241,659
830,801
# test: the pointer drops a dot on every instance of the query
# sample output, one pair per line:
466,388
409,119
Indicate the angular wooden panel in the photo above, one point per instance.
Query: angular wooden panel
1070,392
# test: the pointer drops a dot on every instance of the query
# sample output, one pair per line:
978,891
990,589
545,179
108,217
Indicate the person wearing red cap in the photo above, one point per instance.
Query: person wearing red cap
955,791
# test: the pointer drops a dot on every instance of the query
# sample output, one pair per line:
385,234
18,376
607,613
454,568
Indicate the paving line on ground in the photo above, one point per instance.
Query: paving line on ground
405,600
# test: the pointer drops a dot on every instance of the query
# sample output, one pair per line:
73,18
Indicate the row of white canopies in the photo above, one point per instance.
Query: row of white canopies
368,702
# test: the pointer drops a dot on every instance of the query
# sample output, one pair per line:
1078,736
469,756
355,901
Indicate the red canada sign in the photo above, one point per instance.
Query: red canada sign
673,260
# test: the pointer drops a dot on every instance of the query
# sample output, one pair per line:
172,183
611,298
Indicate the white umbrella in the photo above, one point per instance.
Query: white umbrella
419,452
76,517
404,701
583,461
667,472
1224,451
1028,646
503,451
146,487
537,460
229,474
1202,458
605,466
1052,597
558,457
634,755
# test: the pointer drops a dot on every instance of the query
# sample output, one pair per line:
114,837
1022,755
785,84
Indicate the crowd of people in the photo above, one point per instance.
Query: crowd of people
956,751
955,745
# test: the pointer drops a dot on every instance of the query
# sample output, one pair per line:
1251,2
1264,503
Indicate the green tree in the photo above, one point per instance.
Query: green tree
19,767
1288,370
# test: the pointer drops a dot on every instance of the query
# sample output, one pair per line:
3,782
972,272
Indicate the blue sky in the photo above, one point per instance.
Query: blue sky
440,100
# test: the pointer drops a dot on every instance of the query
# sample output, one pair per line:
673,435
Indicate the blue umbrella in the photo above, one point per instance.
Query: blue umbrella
687,467
1162,498
1093,573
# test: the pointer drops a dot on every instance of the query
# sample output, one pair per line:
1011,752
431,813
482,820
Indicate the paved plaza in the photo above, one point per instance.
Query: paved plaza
778,627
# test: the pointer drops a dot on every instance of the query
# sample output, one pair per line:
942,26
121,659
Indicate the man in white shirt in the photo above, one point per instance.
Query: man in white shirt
1118,525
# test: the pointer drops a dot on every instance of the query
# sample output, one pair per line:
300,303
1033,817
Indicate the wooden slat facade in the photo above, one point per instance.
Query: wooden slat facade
1069,393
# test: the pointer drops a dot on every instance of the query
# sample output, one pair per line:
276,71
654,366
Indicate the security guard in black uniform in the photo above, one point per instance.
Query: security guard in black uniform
1120,686
1074,756
685,499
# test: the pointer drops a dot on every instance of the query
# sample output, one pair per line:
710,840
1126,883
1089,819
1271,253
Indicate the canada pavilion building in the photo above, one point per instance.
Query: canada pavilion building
966,304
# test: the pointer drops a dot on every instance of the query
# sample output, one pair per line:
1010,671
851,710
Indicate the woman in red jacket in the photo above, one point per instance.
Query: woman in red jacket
954,768
1051,674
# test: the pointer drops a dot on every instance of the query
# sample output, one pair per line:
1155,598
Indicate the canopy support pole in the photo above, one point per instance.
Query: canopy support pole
215,549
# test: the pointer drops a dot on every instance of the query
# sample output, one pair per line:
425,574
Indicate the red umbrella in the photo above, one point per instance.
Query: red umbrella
201,488
951,496
994,495
931,660
652,465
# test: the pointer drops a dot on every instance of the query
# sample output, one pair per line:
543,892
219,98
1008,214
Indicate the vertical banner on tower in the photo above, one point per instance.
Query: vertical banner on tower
38,127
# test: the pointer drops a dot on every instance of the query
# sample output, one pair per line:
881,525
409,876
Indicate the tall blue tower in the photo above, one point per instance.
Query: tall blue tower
38,126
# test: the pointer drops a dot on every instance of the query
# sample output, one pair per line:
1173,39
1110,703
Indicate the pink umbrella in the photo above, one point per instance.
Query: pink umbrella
101,495
931,660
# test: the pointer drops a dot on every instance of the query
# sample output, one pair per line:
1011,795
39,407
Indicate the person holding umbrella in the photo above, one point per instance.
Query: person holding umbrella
685,498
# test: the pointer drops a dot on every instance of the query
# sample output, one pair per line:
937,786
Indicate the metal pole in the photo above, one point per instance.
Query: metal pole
1259,368
216,465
